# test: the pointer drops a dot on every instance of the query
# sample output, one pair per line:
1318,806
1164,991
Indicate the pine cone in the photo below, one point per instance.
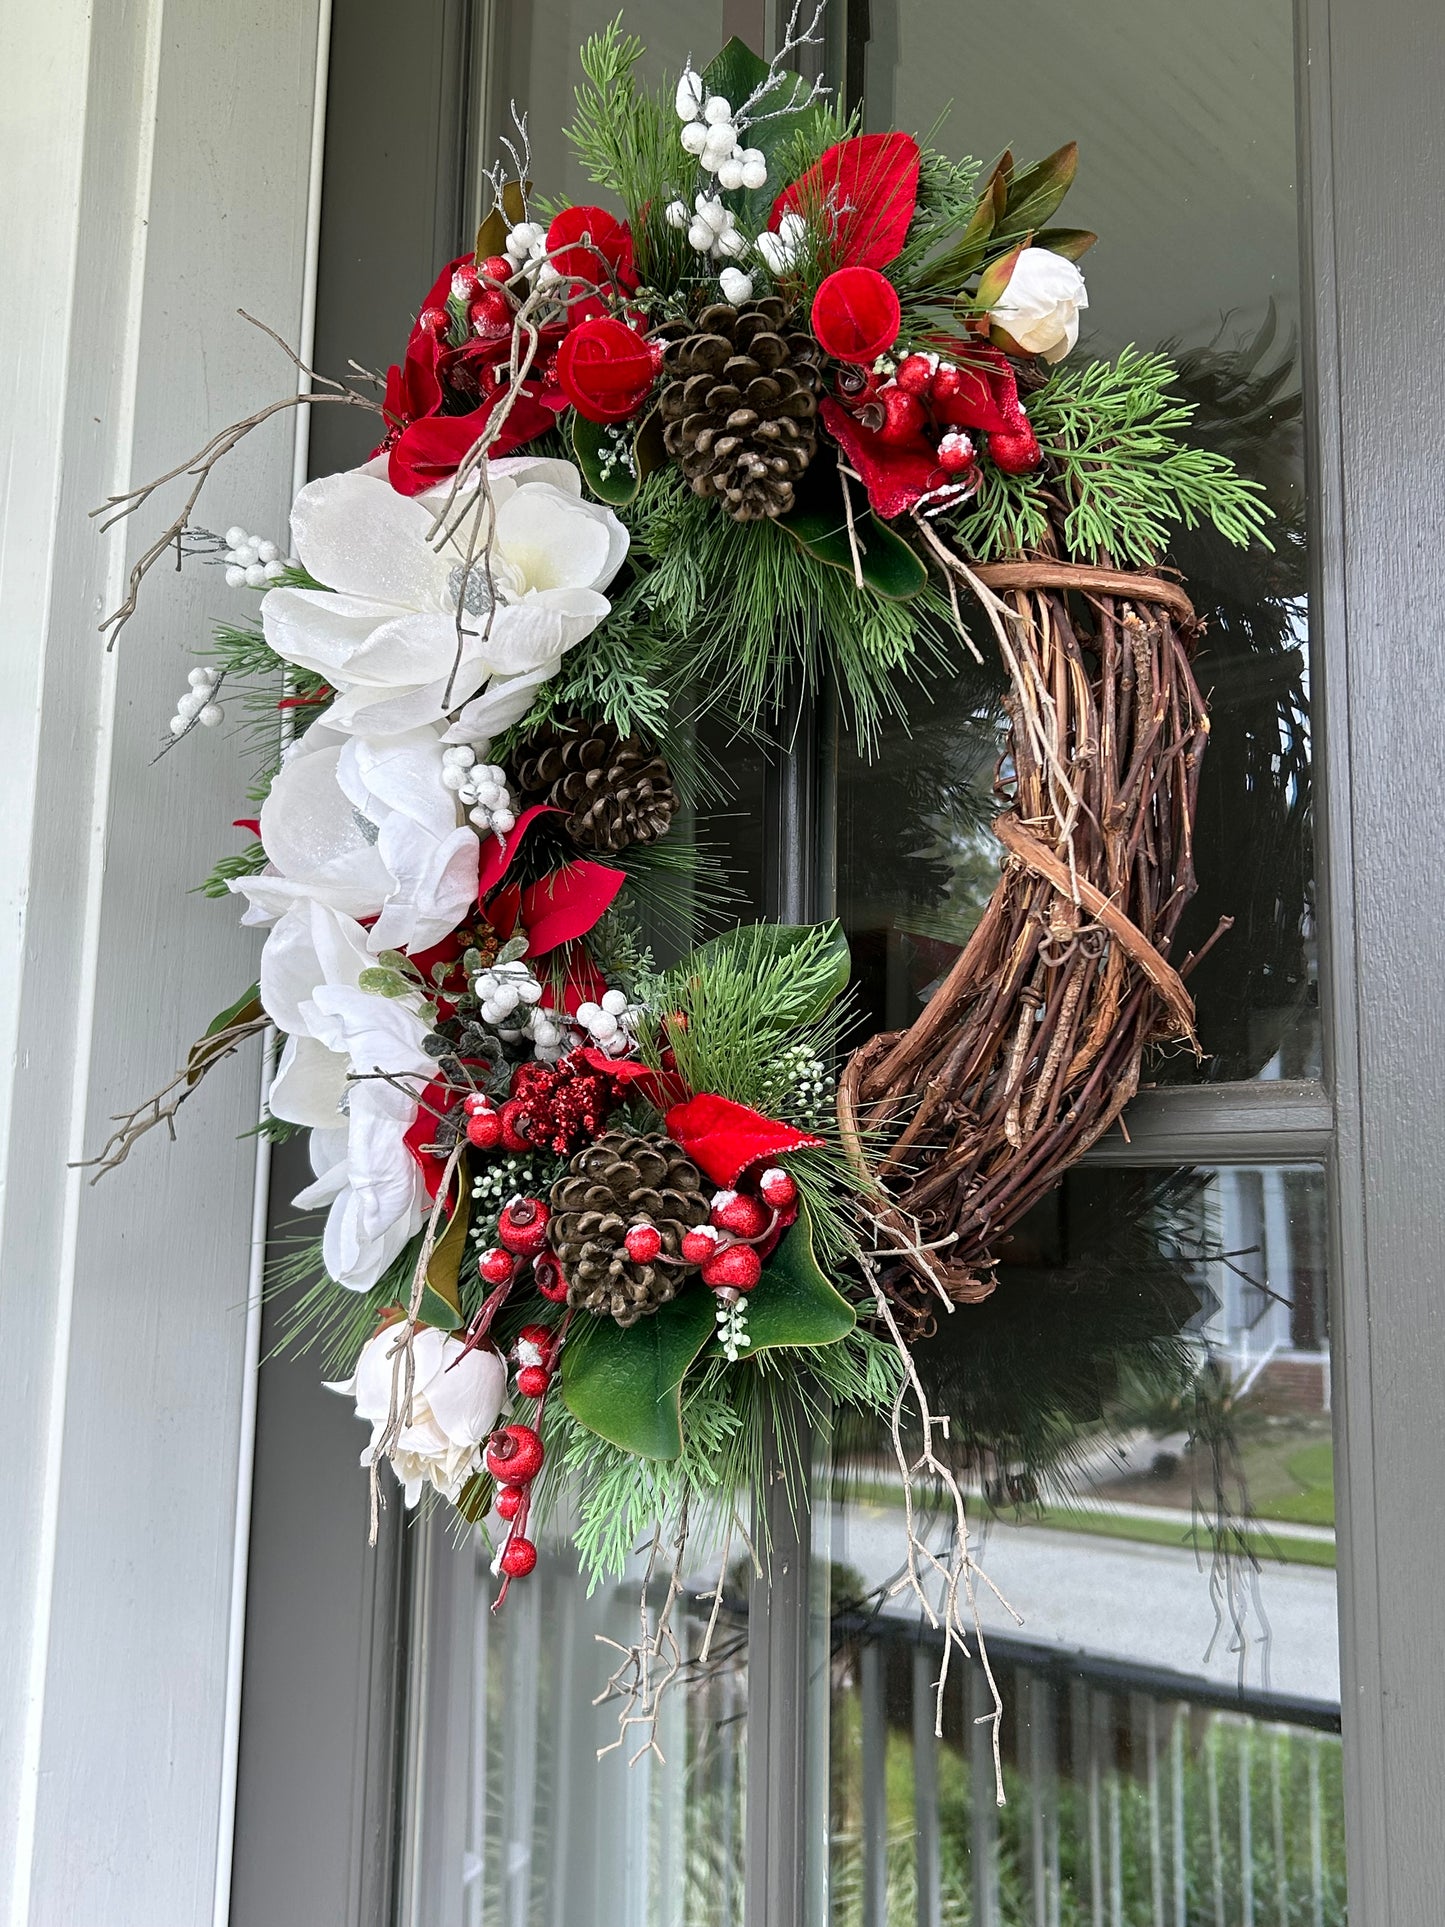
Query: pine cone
617,791
738,405
618,1182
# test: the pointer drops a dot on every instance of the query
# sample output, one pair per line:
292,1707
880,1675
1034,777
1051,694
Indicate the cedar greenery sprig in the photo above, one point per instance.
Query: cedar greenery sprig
1113,451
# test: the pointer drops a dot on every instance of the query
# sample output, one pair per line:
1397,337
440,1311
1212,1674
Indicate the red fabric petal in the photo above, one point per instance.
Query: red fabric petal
895,474
497,854
606,370
566,904
659,1088
723,1138
856,315
863,192
251,823
428,452
436,1097
583,983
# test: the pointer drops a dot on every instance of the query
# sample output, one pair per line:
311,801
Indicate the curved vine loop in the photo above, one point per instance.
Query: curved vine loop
1030,1048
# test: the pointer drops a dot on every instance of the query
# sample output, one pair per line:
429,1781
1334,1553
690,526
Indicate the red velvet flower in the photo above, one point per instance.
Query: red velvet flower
862,194
724,1139
977,388
856,316
606,370
895,474
595,247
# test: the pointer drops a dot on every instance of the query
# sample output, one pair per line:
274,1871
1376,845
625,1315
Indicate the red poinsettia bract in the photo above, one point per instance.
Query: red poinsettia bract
861,194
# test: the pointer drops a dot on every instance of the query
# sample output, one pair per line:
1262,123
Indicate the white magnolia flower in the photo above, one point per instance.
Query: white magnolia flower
384,633
366,828
1040,306
455,1402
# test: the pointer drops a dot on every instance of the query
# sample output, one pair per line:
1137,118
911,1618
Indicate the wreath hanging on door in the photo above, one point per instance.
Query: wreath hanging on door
597,1223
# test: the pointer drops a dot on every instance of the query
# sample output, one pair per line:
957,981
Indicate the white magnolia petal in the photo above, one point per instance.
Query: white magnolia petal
354,532
399,773
504,701
466,1394
316,839
436,884
310,1084
356,1260
310,944
383,712
317,630
543,627
552,541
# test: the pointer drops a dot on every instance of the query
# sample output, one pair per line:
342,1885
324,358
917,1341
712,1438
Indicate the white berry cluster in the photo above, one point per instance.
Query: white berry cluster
511,1001
252,562
197,706
612,1024
526,249
781,247
481,789
712,229
713,137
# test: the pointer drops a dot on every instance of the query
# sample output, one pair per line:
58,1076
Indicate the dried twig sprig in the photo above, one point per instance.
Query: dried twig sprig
161,1108
781,70
954,1576
648,1668
116,508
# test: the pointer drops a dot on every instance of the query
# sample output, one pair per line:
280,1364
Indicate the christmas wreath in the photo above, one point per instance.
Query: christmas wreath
596,1222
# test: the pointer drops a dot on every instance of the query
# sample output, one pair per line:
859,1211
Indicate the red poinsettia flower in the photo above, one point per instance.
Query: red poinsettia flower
862,194
856,315
896,474
606,369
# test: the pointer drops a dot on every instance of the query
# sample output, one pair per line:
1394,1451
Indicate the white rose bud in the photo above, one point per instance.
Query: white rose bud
737,287
1040,306
690,95
456,1399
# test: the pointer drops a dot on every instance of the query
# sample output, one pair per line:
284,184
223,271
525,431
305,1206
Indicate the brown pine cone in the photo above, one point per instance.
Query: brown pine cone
616,791
618,1182
739,403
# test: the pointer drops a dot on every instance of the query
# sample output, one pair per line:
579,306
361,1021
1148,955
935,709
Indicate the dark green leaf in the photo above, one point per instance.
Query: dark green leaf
626,1385
474,1501
1036,193
441,1302
492,234
793,1304
1072,242
607,459
827,974
246,1010
890,566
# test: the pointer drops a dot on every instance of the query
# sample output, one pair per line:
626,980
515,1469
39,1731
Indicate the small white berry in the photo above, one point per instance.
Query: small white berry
694,137
755,167
266,552
731,243
255,576
737,287
235,577
235,536
503,820
179,725
452,777
588,1013
211,715
730,174
274,570
676,214
690,95
200,678
614,1002
699,237
717,109
604,1027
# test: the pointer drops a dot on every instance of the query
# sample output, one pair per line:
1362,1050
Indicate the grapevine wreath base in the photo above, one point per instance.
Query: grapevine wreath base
601,1224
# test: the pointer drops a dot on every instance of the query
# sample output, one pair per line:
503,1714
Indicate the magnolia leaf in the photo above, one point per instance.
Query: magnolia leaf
828,967
997,275
246,1010
890,566
607,456
474,1501
997,186
734,73
1036,193
793,1303
626,1385
952,269
1072,242
492,234
441,1299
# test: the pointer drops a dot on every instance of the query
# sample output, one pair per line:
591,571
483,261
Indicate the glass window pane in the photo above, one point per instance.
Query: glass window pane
1141,1418
516,1816
1185,119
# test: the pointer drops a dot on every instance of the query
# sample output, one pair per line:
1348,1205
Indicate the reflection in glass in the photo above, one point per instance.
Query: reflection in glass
1143,1422
1198,256
515,1819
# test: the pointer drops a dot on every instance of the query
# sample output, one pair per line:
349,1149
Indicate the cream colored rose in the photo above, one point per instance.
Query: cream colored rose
1039,309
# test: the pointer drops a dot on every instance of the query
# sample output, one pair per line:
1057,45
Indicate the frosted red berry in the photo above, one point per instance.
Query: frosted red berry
955,453
643,1242
490,315
1015,454
534,1342
533,1380
509,1500
434,321
742,1215
699,1245
522,1226
903,415
778,1188
915,374
484,1130
514,1126
514,1454
548,1278
734,1268
465,281
519,1557
496,1266
496,267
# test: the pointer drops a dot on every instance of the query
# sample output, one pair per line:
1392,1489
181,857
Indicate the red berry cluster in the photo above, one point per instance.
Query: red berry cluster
514,1457
937,401
478,289
729,1247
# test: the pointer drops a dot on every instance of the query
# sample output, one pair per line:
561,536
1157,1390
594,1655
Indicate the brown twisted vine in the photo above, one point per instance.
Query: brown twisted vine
1031,1047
